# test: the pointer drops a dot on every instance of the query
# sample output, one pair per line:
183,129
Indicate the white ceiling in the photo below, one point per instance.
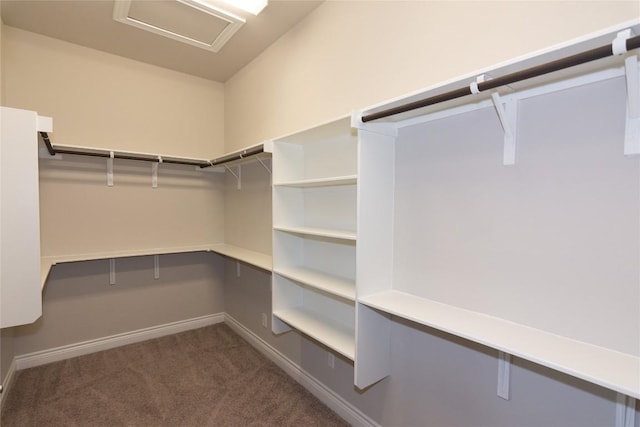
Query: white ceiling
90,23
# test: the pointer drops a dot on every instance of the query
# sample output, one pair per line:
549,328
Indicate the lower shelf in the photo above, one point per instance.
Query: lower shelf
608,368
345,288
250,257
258,259
321,328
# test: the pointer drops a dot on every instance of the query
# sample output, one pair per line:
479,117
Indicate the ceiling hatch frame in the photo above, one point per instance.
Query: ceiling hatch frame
233,22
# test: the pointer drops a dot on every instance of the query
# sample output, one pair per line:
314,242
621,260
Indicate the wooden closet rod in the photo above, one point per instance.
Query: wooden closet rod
53,150
539,70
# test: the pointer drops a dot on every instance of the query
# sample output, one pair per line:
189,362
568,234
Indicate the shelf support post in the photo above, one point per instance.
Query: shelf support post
625,411
504,368
112,271
156,267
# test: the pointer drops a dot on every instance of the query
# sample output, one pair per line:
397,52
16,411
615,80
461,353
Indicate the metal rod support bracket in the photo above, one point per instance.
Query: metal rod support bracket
110,169
264,165
237,174
508,115
154,173
632,126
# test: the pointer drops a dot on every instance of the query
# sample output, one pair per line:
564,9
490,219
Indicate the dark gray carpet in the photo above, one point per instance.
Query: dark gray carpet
204,377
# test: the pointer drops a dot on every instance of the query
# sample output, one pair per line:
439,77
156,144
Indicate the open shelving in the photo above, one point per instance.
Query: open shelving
515,252
314,234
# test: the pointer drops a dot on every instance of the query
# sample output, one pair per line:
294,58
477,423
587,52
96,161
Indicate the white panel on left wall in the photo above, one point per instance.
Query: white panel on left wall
20,287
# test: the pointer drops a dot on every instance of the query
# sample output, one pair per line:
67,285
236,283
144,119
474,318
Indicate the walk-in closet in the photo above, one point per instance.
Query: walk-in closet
422,213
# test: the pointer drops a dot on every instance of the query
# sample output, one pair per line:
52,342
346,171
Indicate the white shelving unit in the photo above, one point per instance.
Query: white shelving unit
314,234
518,256
20,274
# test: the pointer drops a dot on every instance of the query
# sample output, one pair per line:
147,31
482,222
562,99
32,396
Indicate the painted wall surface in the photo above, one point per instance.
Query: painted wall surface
80,305
348,55
102,100
247,211
436,379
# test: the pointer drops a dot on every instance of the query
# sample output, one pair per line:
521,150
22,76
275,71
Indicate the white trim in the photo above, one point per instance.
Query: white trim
346,410
7,382
79,349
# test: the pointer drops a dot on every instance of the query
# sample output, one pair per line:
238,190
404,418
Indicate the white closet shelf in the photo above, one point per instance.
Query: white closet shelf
320,182
320,232
322,328
608,368
258,259
250,257
344,288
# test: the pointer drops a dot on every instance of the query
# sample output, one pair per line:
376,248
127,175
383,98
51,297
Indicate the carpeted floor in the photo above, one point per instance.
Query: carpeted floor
204,377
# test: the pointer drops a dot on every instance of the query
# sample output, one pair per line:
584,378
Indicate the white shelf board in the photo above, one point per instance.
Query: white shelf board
321,232
608,368
320,182
56,259
258,259
321,328
250,257
344,288
532,59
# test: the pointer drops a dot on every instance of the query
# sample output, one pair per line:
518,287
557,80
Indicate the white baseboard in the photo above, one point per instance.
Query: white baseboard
7,382
346,410
80,349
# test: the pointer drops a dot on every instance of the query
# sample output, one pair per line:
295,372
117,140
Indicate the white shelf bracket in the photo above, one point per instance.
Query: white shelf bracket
508,115
156,267
110,169
237,174
504,368
625,411
112,271
264,165
632,127
154,172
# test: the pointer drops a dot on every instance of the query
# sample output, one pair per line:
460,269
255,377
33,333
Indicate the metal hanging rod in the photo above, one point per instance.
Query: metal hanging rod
528,73
53,150
236,156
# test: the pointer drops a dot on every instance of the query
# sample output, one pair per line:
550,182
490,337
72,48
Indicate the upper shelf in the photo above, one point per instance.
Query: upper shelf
608,368
575,58
54,151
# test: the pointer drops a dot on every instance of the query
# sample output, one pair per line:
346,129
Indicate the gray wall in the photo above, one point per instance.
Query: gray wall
79,304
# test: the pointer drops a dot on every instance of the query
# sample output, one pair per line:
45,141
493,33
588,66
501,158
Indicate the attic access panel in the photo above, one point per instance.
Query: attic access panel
197,23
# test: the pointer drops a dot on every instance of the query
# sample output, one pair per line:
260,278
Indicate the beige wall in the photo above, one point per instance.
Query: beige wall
80,305
348,55
102,100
